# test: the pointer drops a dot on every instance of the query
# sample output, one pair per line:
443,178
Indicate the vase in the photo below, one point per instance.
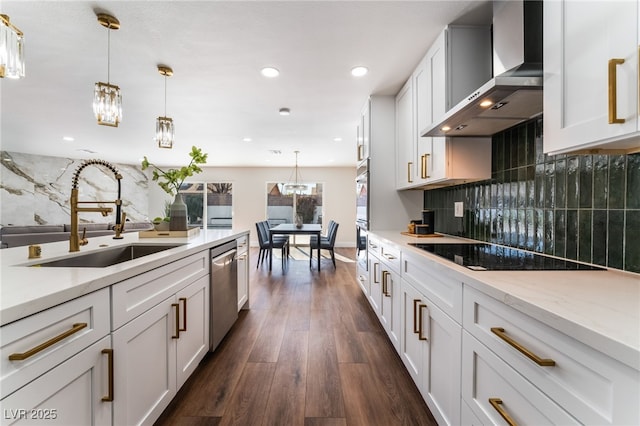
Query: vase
178,214
298,221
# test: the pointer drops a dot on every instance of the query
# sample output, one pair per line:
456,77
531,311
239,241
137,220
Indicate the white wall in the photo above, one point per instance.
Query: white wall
250,196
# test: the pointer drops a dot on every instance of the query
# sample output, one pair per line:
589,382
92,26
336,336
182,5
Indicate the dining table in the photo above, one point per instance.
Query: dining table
292,229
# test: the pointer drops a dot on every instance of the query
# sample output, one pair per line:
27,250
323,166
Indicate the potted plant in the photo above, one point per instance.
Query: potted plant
171,180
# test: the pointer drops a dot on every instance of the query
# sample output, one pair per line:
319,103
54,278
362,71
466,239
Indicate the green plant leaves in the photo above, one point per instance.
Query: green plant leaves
172,179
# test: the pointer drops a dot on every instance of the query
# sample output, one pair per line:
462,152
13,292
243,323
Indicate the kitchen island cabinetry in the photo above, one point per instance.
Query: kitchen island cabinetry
56,365
591,95
243,272
160,347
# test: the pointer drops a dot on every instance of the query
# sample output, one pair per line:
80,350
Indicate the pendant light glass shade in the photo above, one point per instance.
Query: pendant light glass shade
164,125
164,132
11,50
107,99
291,188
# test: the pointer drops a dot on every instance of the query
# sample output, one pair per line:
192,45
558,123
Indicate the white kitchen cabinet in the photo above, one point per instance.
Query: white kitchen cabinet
497,394
431,351
456,64
589,385
364,132
243,272
75,392
375,283
584,109
390,293
159,346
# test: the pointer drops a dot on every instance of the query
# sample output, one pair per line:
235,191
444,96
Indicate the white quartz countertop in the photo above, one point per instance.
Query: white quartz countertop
598,308
25,290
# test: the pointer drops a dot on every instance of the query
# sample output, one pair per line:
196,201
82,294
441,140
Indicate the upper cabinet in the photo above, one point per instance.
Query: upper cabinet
458,62
591,76
363,132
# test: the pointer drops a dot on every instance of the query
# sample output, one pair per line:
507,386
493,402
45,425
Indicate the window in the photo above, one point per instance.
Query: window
218,208
284,203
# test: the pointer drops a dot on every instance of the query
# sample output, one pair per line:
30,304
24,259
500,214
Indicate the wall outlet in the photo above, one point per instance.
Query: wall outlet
458,208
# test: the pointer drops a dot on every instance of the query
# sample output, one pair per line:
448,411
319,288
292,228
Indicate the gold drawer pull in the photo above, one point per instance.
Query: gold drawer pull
24,355
375,272
415,316
409,164
613,96
424,174
499,331
389,256
497,404
109,353
177,306
385,283
420,336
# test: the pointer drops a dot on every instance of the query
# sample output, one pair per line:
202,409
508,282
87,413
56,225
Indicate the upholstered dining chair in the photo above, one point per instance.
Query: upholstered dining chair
280,242
326,242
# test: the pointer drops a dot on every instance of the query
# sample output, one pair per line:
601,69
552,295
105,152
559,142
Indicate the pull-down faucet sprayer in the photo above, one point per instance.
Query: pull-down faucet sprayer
74,241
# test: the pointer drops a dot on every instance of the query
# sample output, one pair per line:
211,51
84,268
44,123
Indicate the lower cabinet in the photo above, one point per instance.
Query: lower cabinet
75,392
243,272
157,351
390,315
431,343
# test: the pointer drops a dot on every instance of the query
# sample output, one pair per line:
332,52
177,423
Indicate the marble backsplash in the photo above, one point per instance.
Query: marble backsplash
35,190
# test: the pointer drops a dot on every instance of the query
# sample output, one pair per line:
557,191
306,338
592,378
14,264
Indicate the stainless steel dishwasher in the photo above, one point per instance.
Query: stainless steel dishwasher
224,291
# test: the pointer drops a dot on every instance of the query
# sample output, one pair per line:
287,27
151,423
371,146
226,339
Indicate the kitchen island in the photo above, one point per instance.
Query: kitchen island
105,345
537,347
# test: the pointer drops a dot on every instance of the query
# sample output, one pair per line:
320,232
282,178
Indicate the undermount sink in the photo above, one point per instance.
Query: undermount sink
108,257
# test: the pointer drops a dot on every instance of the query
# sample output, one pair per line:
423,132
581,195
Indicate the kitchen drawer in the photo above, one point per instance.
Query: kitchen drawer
136,295
487,377
436,282
61,332
373,245
243,244
594,388
390,256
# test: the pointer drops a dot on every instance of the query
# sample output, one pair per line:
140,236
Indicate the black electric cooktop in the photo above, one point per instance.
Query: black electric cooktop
489,257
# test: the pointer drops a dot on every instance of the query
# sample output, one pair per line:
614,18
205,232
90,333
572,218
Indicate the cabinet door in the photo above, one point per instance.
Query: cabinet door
375,283
145,365
390,315
405,137
193,343
441,385
576,91
243,281
70,394
412,346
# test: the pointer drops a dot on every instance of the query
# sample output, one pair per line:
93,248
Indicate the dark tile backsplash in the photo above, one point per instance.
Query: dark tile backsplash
580,207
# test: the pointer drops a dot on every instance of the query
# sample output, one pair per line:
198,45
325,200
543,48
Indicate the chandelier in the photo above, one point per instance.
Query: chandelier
294,188
11,49
164,125
107,100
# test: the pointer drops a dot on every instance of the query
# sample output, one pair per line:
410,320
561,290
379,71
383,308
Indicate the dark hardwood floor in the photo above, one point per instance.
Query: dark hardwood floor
309,351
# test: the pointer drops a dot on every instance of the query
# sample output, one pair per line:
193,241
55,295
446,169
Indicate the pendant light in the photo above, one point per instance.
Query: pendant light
107,99
11,49
291,188
164,125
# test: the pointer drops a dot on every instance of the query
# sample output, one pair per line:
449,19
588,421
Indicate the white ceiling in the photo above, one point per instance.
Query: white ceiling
217,95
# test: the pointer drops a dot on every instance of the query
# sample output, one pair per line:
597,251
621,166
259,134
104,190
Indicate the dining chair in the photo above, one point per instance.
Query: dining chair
263,239
326,242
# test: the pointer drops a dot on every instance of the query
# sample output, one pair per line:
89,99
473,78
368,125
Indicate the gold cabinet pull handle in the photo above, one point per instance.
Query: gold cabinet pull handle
420,336
409,164
360,152
385,283
375,272
184,313
499,331
423,168
389,256
415,316
31,352
496,403
109,353
177,306
613,85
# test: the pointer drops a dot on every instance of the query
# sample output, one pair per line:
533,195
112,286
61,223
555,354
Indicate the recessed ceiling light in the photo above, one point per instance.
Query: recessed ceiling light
337,139
246,139
285,111
68,138
359,71
270,72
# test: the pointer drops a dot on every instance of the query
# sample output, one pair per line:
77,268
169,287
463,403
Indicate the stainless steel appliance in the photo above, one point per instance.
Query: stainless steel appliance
491,257
223,291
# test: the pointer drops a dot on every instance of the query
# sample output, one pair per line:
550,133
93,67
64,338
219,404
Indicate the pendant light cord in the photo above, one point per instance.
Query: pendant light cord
108,53
165,95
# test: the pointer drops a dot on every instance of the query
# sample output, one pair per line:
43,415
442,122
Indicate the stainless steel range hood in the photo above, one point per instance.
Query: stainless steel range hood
514,94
